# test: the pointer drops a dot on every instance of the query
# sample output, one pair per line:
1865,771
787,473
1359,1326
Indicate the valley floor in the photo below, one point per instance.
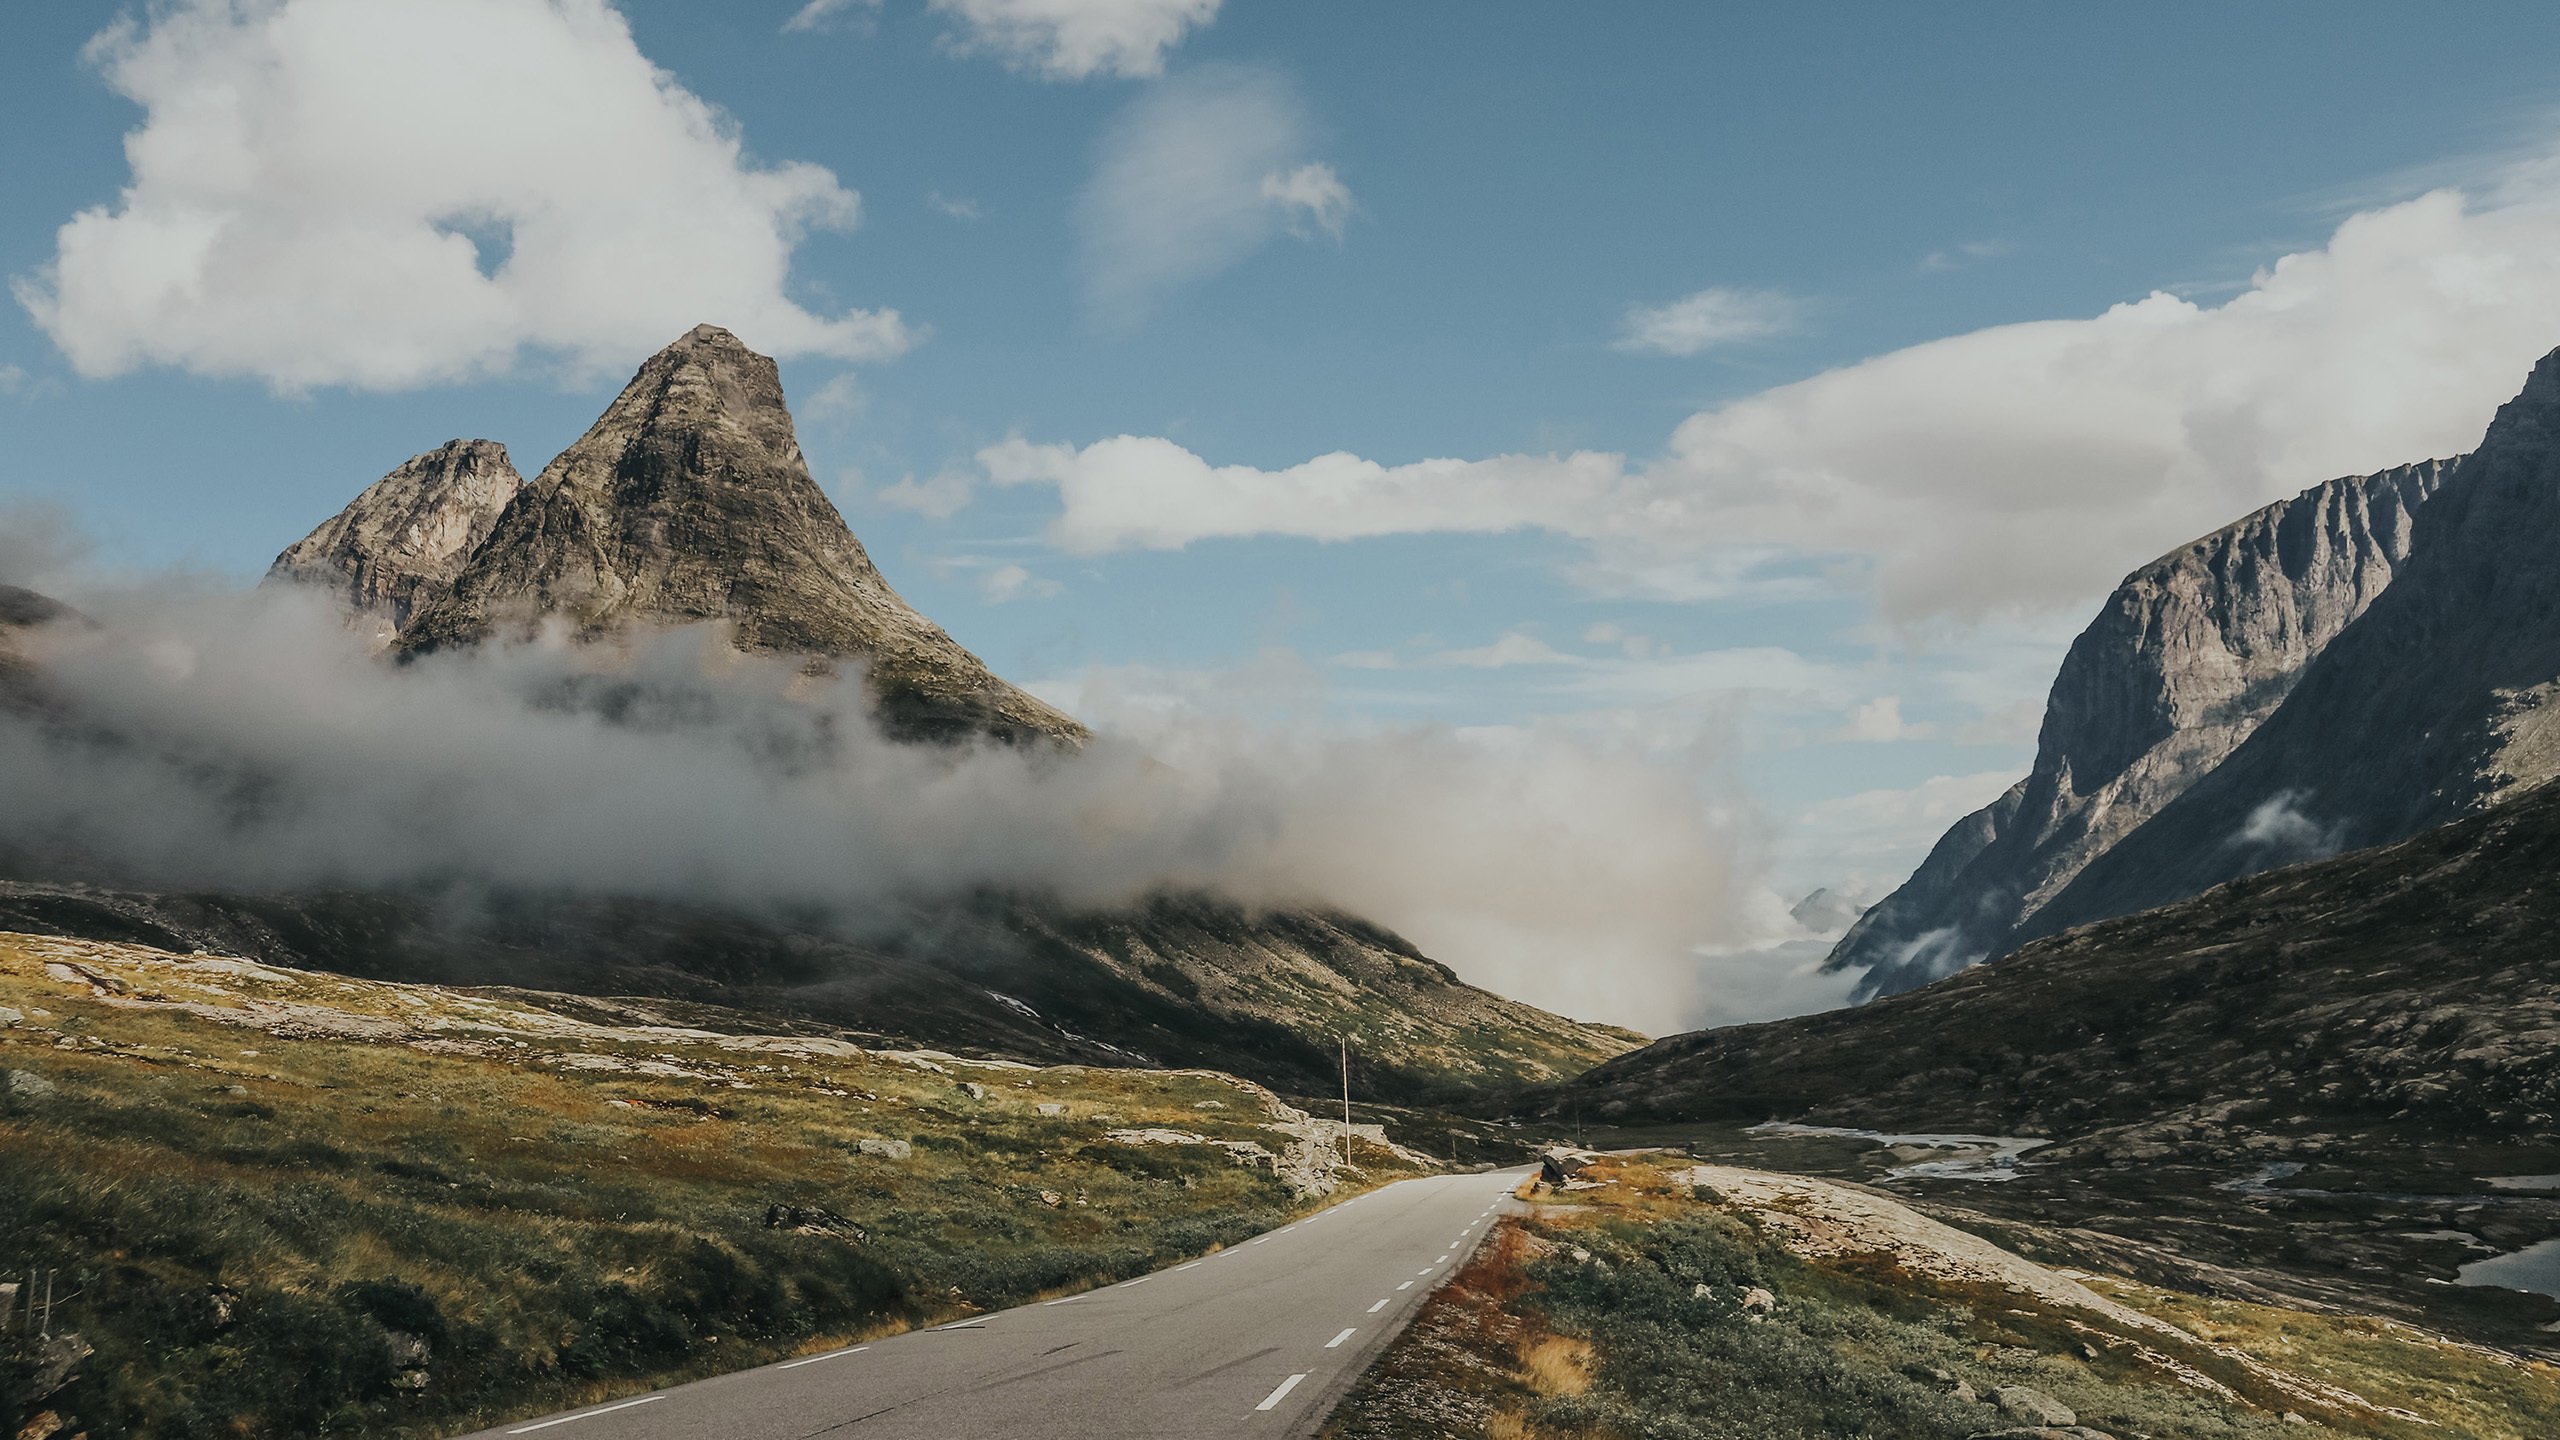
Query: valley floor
271,1202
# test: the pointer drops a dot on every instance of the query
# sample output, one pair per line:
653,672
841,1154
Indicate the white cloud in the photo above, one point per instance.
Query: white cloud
1312,198
1008,582
841,398
1710,318
939,498
1878,721
2019,470
390,193
819,14
1137,492
13,378
1077,39
1514,648
958,207
1195,175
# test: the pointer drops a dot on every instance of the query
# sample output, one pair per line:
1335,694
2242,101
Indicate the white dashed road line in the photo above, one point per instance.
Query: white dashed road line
1273,1399
1381,1305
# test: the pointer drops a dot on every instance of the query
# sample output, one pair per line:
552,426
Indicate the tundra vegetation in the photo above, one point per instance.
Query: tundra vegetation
284,1203
1653,1305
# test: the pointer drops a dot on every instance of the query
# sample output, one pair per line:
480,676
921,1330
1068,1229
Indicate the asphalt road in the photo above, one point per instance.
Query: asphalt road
1260,1340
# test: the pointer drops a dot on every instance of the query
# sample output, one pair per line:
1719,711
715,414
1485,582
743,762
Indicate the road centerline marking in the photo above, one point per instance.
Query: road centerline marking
1272,1400
587,1414
1347,1332
1381,1305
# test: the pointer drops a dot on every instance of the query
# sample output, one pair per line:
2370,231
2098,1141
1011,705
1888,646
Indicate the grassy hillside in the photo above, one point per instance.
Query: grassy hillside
1186,981
1767,1307
294,1204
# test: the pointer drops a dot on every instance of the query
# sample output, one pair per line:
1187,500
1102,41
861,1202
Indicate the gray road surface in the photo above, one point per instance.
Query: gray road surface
1260,1340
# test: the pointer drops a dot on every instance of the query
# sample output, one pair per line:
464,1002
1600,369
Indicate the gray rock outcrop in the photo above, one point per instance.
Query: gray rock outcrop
2435,704
397,547
688,502
2189,656
2028,1405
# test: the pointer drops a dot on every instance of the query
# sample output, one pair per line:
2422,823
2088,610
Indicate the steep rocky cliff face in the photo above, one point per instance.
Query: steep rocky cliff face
688,502
2433,705
2189,656
398,546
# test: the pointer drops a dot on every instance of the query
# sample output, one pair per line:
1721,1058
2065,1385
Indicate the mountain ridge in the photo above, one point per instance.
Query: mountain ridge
2433,705
689,502
2188,656
398,546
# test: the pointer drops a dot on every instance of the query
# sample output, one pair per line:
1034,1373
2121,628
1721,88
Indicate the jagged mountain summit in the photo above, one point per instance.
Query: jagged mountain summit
2189,656
2434,705
397,547
689,502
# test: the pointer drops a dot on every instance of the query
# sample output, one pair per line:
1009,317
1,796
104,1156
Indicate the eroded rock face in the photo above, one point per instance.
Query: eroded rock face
398,546
2434,705
2189,656
688,502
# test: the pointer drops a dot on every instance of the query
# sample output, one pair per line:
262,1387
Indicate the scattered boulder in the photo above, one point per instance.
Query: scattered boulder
9,1015
1052,1199
973,1090
57,1361
1944,1380
2033,1407
409,1356
885,1149
1052,1108
2042,1432
1559,1165
27,1085
1758,1303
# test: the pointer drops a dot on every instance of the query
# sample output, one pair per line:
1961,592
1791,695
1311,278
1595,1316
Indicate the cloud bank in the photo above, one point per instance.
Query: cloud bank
251,742
1194,176
2017,470
382,194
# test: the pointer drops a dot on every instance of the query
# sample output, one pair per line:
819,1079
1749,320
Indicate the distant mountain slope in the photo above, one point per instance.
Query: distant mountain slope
2433,705
2188,656
1179,981
22,610
398,546
2408,990
689,502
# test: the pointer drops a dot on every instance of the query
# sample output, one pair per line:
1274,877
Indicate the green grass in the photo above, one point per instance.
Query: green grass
250,1202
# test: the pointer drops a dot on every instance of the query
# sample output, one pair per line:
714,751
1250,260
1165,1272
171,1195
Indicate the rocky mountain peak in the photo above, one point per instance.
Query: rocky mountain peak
689,502
2186,659
399,545
2437,702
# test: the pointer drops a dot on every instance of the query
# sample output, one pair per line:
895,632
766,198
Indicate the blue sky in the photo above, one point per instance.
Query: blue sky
1835,515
